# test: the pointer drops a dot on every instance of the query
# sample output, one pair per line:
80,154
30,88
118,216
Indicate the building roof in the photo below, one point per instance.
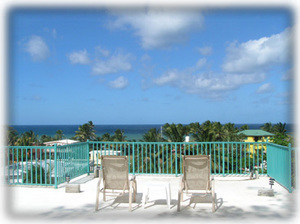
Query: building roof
60,142
257,132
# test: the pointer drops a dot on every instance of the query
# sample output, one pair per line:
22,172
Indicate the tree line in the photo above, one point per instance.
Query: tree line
208,131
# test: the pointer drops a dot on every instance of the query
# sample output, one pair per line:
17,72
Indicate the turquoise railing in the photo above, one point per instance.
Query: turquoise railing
280,164
45,165
166,157
49,166
30,165
72,161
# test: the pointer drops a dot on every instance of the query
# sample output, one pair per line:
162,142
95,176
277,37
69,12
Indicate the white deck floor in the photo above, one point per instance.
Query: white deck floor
237,201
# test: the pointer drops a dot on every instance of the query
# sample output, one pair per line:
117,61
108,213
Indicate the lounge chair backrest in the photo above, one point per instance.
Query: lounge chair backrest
115,172
196,172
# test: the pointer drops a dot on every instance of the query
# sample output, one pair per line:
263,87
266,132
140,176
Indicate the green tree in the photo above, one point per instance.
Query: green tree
218,131
230,132
280,128
153,135
11,136
35,175
86,132
281,139
45,138
119,136
27,139
106,137
59,135
175,133
267,127
244,127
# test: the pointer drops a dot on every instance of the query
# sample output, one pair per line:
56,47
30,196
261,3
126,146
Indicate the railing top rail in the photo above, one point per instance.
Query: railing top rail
279,146
27,147
72,144
169,143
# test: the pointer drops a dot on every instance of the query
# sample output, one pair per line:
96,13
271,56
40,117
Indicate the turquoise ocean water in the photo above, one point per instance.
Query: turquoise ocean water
131,131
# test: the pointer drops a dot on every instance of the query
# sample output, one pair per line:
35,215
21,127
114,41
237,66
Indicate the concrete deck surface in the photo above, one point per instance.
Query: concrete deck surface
237,201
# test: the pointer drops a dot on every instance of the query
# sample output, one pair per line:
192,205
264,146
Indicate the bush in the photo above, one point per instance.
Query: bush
35,175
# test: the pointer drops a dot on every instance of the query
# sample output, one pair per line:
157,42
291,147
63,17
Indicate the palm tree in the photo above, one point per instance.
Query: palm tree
45,138
119,136
106,137
230,132
206,131
244,127
175,133
218,131
280,128
86,132
267,127
153,135
28,138
11,136
59,135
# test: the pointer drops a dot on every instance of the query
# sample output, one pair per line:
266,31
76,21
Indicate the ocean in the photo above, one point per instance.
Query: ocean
132,132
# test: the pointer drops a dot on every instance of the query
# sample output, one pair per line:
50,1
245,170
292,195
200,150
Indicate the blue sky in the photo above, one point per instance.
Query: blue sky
150,65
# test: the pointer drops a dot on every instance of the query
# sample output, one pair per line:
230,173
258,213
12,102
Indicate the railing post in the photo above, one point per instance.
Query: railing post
290,167
55,166
176,160
223,157
88,159
133,159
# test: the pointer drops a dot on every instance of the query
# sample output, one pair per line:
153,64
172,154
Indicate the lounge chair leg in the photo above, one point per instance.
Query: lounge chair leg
130,200
134,191
213,203
179,200
104,198
97,201
97,195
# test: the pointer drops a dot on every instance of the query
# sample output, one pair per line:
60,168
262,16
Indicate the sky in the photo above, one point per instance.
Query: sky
150,65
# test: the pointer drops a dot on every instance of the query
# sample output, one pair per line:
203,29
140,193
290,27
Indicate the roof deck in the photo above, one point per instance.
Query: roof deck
237,199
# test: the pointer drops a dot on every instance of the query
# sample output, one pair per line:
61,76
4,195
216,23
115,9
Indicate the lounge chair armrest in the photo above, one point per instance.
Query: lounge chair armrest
212,184
133,178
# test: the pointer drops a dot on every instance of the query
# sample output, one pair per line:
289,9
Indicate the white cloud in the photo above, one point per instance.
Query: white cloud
258,55
200,63
119,83
245,63
102,51
79,57
206,84
265,88
37,48
168,78
114,64
160,28
205,50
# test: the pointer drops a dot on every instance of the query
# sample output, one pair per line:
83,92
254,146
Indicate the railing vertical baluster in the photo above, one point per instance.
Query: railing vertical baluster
22,165
176,160
236,158
133,158
55,165
17,166
13,166
223,158
36,167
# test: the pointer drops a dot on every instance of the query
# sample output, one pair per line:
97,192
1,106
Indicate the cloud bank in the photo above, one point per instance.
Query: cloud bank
37,48
159,28
245,63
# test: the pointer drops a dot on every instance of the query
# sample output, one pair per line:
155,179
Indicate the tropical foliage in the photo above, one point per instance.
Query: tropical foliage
208,131
280,133
86,132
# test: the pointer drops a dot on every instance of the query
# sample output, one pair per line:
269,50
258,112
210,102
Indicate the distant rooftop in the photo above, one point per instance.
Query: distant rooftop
60,142
257,132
